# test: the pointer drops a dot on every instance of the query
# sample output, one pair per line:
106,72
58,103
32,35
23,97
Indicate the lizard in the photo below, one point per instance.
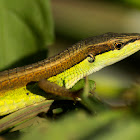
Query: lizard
61,72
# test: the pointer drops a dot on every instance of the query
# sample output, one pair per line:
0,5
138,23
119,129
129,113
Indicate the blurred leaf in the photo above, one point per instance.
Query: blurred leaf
126,129
73,126
25,27
30,124
23,115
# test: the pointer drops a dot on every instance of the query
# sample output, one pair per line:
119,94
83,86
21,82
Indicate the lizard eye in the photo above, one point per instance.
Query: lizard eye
91,58
118,46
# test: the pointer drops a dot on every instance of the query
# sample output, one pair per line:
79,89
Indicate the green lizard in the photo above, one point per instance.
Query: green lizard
63,70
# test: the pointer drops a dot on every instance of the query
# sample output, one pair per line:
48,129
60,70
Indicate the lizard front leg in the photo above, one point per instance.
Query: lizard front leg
55,89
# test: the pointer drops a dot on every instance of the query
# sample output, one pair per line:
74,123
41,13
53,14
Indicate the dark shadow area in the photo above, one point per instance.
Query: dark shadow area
67,106
130,65
11,136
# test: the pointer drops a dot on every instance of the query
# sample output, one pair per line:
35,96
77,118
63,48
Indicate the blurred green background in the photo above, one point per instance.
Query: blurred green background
78,19
32,30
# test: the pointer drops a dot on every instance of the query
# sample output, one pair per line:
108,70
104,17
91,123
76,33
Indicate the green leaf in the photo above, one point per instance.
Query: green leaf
23,115
25,27
81,83
73,126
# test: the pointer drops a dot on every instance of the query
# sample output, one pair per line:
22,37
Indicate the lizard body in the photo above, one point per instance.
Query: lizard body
64,69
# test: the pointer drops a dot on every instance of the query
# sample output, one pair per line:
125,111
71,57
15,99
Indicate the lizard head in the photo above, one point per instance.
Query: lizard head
112,47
